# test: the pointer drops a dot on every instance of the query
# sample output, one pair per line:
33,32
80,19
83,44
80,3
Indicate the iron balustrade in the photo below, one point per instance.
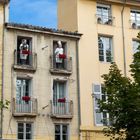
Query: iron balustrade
102,19
62,108
30,62
65,65
135,24
25,107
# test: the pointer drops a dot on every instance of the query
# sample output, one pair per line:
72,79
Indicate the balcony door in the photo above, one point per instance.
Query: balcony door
23,95
59,97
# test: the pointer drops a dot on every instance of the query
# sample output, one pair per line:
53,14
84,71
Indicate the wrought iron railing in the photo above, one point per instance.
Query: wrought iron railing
31,60
62,108
135,24
66,63
21,106
102,19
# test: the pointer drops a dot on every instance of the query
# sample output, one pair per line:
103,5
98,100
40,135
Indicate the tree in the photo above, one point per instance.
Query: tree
123,101
4,104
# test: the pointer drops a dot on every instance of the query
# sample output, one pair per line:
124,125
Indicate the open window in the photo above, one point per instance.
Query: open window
60,54
23,95
24,50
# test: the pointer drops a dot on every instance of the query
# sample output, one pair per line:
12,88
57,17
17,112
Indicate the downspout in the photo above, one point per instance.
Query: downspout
78,87
123,37
2,73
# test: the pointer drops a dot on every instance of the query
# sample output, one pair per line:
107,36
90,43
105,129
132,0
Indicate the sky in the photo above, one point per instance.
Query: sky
35,12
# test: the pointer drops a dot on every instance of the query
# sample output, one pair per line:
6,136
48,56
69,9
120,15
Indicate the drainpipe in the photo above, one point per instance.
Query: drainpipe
78,87
2,73
123,37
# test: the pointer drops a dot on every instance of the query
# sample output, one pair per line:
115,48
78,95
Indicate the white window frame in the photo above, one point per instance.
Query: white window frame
61,130
135,21
104,18
105,48
99,92
24,130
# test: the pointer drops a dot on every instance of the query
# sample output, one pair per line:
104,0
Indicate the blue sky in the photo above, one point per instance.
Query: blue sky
35,12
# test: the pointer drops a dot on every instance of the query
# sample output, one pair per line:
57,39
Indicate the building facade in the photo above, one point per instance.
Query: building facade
3,19
40,81
109,29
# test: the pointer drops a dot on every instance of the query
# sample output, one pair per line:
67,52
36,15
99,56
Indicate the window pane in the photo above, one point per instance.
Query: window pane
65,129
57,137
28,128
28,136
57,129
98,117
65,137
20,135
105,48
20,127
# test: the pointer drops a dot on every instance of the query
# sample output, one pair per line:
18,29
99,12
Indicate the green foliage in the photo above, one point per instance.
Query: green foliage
123,102
4,104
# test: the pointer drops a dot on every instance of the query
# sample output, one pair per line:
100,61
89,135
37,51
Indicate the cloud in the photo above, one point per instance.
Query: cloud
36,12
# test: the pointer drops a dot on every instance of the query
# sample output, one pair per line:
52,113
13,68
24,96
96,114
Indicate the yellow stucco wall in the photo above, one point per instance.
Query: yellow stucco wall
90,67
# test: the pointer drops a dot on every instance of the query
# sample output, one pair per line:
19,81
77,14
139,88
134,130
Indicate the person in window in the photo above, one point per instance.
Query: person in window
58,52
24,51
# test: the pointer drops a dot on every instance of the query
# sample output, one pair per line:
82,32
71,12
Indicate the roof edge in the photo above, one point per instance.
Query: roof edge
40,29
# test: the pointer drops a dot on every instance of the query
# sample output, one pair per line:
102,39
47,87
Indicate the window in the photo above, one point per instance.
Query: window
23,87
104,14
61,132
105,49
24,131
135,45
24,50
135,19
59,55
23,95
59,91
101,118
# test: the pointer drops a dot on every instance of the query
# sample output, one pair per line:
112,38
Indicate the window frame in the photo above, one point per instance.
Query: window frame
25,130
56,83
101,94
30,43
104,18
105,49
136,22
61,130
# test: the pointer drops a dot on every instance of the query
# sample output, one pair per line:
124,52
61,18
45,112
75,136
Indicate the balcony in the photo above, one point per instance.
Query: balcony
135,24
106,20
29,65
25,108
62,110
64,68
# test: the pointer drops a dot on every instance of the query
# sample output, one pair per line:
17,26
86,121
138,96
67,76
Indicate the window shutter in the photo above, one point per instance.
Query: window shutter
96,89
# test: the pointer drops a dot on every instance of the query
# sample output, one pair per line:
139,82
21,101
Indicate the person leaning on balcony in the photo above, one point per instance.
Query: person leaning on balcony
24,48
59,51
